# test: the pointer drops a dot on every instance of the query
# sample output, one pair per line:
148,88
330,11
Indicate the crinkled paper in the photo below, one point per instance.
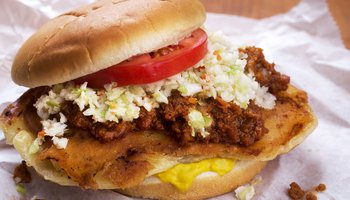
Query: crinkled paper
304,43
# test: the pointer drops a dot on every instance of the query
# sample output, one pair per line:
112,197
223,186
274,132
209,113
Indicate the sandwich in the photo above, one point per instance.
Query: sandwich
138,97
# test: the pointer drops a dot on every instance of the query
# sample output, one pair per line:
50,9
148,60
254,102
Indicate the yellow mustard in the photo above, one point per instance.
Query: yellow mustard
182,175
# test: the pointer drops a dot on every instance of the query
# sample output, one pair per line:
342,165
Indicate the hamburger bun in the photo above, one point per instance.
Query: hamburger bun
85,40
204,186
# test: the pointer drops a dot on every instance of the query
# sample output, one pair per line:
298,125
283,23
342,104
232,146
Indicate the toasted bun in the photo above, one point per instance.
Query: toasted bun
102,34
204,186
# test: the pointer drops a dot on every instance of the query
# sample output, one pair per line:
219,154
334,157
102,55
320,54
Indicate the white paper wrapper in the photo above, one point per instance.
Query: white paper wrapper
305,43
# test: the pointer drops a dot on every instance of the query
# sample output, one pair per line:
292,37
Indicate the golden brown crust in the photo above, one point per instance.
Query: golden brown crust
289,123
202,187
100,35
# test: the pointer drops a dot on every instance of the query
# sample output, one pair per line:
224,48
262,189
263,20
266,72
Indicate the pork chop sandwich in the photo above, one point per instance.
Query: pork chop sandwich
137,97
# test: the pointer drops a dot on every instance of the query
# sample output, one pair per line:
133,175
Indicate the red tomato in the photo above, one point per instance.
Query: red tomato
152,67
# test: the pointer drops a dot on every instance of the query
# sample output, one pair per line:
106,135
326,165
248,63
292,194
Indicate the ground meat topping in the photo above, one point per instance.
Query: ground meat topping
265,72
234,125
231,124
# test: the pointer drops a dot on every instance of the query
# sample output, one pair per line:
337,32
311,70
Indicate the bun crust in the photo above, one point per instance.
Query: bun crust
202,187
100,35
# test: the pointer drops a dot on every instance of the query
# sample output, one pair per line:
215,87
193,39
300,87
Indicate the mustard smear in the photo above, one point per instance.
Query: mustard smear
182,175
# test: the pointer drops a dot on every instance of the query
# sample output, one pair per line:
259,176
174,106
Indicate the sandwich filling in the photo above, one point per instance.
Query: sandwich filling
187,103
216,106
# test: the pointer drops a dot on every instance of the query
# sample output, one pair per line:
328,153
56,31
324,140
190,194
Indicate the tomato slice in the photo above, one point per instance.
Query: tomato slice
152,67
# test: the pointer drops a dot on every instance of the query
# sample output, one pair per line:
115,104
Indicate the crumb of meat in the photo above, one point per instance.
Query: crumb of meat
320,188
295,192
21,174
310,196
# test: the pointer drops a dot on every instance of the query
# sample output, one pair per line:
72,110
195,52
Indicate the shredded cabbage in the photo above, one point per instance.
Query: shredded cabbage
20,189
54,129
199,122
34,148
245,192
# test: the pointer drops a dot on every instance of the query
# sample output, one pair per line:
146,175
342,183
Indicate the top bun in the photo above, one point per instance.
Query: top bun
102,34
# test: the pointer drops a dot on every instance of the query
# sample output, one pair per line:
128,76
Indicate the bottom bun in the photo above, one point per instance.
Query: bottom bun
204,186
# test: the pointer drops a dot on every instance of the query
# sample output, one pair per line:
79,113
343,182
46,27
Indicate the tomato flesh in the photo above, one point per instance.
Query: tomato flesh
152,67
